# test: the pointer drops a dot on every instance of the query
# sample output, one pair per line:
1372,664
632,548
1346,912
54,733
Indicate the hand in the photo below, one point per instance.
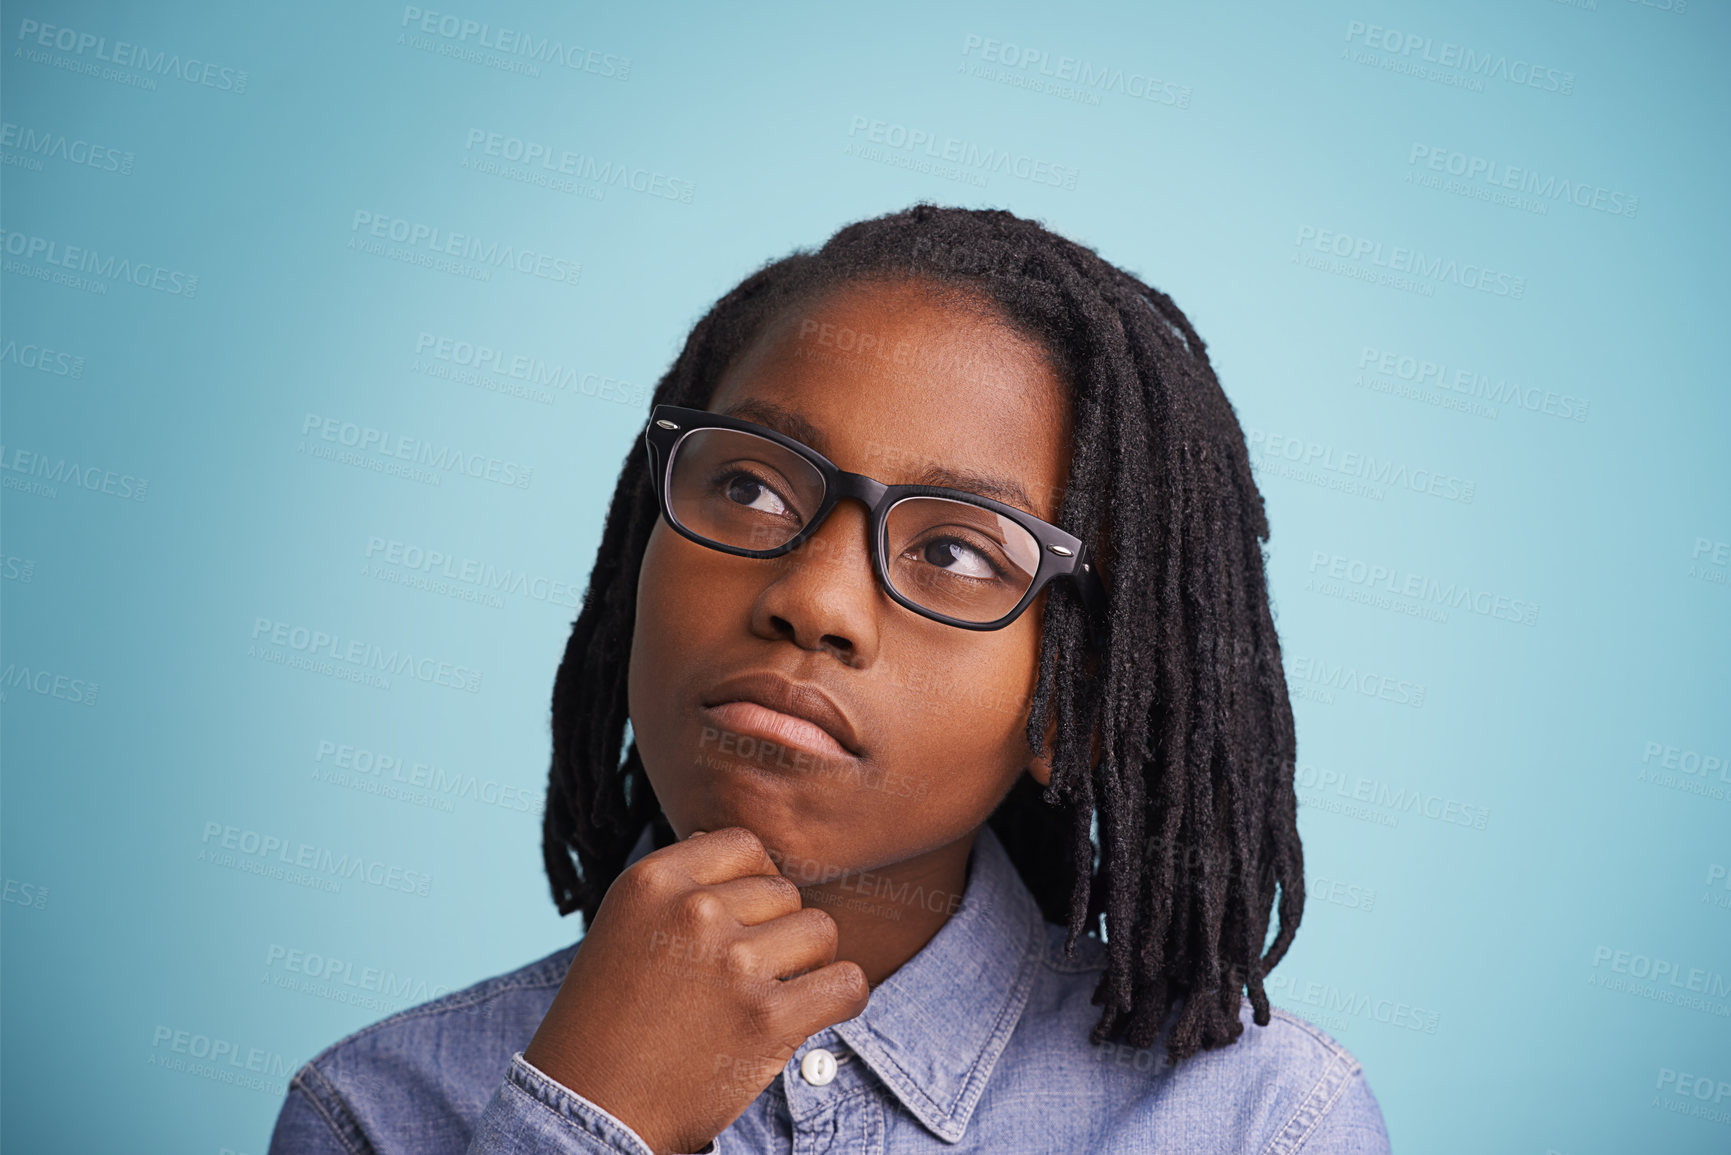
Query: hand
700,978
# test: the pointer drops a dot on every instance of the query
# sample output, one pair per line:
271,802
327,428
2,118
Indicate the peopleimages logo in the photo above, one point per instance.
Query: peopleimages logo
35,145
1686,760
1671,972
1456,64
1423,592
483,575
424,243
362,657
344,972
81,259
224,1060
305,856
1470,383
42,359
1366,256
400,447
1395,799
1070,77
47,683
1345,1001
488,367
1347,678
357,767
1710,561
123,54
525,47
1267,450
579,165
57,471
927,148
1495,176
1699,1096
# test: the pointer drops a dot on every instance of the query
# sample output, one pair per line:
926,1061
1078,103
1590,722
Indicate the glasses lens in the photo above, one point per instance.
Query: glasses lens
742,490
958,559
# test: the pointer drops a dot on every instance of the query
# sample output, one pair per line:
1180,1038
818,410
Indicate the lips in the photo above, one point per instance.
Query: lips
803,701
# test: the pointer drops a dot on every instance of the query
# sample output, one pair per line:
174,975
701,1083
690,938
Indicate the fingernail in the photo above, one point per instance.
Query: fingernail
695,833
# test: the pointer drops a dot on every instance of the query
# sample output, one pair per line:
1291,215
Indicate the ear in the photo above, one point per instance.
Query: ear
1040,765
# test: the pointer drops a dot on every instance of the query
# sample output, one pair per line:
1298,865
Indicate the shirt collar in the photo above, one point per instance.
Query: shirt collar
934,1029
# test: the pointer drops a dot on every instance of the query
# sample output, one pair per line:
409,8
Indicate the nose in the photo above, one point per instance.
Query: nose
824,595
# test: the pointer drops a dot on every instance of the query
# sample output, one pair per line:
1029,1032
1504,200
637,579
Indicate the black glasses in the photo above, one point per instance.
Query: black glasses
948,554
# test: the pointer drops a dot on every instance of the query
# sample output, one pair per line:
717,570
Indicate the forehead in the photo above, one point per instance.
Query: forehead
897,382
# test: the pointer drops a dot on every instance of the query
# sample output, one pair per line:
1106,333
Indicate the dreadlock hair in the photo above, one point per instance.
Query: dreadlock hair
1184,698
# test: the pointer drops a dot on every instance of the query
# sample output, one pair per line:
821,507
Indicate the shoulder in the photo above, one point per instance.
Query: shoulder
1284,1087
438,1062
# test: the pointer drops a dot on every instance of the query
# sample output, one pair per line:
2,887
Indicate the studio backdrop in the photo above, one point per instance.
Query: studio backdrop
327,327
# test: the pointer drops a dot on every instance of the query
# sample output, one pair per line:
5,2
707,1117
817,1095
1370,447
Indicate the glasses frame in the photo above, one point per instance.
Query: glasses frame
1062,555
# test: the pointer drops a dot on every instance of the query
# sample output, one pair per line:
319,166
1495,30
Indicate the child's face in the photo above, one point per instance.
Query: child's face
939,713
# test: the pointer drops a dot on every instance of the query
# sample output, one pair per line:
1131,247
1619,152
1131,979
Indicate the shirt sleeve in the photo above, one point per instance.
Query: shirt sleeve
531,1112
1353,1126
306,1126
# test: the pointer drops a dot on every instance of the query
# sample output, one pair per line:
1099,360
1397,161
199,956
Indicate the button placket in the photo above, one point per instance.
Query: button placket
830,1117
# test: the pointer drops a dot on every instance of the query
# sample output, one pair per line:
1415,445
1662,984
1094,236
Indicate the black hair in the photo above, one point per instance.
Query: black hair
1184,696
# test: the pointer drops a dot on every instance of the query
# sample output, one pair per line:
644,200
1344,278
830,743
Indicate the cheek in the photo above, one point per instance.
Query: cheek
1006,683
676,584
969,702
689,599
665,613
654,576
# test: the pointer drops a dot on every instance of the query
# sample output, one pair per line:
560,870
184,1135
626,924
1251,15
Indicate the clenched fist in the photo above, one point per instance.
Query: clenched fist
700,977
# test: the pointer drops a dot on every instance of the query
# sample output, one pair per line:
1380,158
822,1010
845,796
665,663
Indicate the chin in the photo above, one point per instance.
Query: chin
771,807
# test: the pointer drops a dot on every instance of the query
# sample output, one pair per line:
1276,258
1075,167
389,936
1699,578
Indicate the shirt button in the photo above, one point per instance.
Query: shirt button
818,1066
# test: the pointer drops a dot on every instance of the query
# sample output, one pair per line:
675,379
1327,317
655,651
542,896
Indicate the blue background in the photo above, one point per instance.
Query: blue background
1584,738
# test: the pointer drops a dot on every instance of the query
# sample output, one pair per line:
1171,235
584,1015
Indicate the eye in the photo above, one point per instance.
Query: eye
946,551
753,492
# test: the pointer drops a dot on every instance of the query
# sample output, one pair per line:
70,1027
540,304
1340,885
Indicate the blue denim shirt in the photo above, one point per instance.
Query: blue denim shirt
977,1043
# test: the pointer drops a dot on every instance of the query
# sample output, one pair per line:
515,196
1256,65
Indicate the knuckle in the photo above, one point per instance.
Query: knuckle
702,908
646,877
751,841
740,833
748,843
740,957
823,924
850,982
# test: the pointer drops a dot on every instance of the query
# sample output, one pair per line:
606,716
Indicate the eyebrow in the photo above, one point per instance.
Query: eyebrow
790,424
